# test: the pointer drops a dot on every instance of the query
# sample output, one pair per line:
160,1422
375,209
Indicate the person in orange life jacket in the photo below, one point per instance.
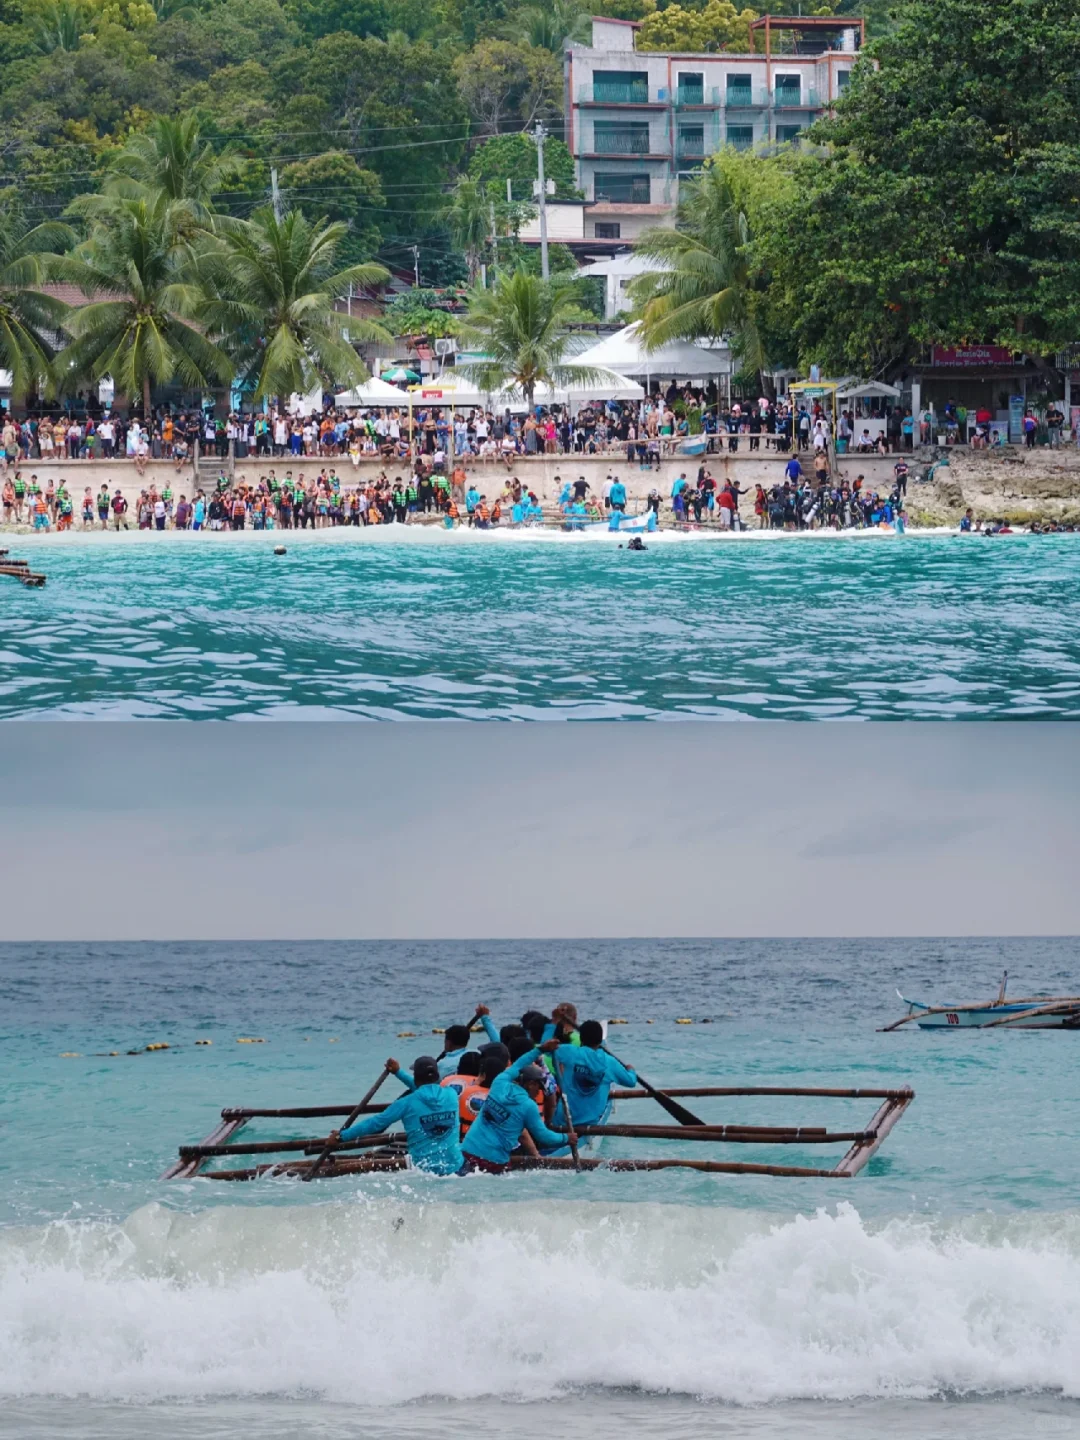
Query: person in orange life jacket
506,1114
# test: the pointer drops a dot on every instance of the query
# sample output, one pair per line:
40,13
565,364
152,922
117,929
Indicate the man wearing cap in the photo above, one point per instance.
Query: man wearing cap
429,1114
508,1111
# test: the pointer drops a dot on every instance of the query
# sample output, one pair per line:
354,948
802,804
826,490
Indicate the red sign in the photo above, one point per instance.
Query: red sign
970,357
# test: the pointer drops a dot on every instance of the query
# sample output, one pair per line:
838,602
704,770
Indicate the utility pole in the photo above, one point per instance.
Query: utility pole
275,194
540,135
416,264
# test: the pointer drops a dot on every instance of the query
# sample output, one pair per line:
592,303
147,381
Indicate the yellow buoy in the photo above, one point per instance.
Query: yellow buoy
618,1022
684,1021
437,1031
406,1034
69,1055
333,1039
158,1045
114,1052
250,1040
478,1029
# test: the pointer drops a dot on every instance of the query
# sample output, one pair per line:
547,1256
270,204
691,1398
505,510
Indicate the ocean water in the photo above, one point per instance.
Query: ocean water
938,1293
423,624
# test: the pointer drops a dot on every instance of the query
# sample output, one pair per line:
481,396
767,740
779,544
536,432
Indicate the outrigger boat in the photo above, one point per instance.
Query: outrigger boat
1036,1012
387,1152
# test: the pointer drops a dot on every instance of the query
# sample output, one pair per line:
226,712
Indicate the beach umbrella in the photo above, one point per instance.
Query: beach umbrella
400,375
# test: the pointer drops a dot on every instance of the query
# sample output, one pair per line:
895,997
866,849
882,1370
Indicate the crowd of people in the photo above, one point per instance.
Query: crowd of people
520,1094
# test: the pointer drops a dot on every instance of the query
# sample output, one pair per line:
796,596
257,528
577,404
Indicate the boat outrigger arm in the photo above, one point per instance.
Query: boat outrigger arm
387,1152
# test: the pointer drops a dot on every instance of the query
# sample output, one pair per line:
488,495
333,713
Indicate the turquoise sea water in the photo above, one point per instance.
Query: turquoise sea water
425,625
939,1292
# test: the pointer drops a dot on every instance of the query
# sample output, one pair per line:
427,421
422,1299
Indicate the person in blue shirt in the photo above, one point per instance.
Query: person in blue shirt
472,498
617,495
508,1112
429,1114
793,470
587,1072
457,1042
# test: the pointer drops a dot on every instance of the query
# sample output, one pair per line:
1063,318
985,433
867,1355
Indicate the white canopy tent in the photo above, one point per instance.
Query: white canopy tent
625,353
613,387
373,392
868,390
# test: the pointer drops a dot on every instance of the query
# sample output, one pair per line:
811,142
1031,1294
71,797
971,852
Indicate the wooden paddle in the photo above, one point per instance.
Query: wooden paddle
674,1109
560,1095
354,1115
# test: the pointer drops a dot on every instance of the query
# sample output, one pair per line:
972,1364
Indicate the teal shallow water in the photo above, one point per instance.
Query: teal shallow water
939,1293
427,625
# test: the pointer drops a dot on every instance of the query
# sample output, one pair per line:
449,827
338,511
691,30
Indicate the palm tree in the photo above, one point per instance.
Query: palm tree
168,158
552,26
60,25
272,285
704,290
522,327
137,271
29,319
469,217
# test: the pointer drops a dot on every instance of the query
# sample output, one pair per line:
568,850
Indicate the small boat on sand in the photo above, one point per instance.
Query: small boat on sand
1035,1012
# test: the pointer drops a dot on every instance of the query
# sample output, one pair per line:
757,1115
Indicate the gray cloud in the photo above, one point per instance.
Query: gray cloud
449,831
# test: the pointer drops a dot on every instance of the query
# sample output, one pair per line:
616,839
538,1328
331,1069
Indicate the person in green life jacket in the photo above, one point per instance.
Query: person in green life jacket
587,1072
427,1111
509,1112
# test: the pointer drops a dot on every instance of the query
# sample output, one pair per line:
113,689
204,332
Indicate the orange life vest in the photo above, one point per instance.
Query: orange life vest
470,1101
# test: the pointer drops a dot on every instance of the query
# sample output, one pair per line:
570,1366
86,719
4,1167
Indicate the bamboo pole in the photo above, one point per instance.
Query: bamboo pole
184,1169
354,1115
307,1146
730,1134
1057,1007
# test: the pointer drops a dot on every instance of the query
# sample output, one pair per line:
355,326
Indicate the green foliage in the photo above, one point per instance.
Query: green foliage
419,313
717,26
522,327
138,328
28,318
269,288
513,158
504,83
946,207
334,184
703,288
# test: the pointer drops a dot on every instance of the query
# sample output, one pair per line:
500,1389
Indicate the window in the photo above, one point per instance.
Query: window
622,189
621,87
621,137
740,136
788,90
739,90
787,133
691,141
607,229
691,89
843,80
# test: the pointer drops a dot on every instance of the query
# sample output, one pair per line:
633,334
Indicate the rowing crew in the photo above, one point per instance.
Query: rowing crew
473,1109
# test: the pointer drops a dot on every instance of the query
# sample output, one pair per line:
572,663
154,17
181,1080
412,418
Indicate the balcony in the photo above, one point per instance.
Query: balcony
615,92
788,97
606,142
697,97
617,191
745,97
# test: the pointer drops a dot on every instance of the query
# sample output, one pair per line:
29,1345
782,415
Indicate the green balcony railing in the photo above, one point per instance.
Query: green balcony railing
616,143
691,95
614,92
787,97
745,97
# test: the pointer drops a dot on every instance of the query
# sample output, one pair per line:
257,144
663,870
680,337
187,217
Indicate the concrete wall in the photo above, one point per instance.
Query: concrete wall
542,474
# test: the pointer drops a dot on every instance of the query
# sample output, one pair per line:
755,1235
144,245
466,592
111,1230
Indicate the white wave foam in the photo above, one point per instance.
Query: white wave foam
384,1301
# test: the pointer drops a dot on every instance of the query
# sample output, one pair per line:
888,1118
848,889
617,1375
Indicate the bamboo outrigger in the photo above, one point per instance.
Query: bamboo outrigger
1035,1012
387,1152
20,570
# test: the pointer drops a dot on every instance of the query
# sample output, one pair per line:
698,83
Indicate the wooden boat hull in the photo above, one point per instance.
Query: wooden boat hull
981,1017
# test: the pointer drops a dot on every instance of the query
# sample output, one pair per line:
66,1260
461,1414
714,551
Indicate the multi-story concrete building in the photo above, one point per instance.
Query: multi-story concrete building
637,122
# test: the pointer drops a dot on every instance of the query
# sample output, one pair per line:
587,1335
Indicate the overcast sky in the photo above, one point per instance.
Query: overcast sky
125,831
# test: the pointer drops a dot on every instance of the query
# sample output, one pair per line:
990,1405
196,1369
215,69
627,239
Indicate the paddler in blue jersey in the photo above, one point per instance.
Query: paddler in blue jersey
429,1114
509,1112
457,1042
587,1072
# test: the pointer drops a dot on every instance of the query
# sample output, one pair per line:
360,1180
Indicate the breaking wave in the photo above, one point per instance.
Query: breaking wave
382,1301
